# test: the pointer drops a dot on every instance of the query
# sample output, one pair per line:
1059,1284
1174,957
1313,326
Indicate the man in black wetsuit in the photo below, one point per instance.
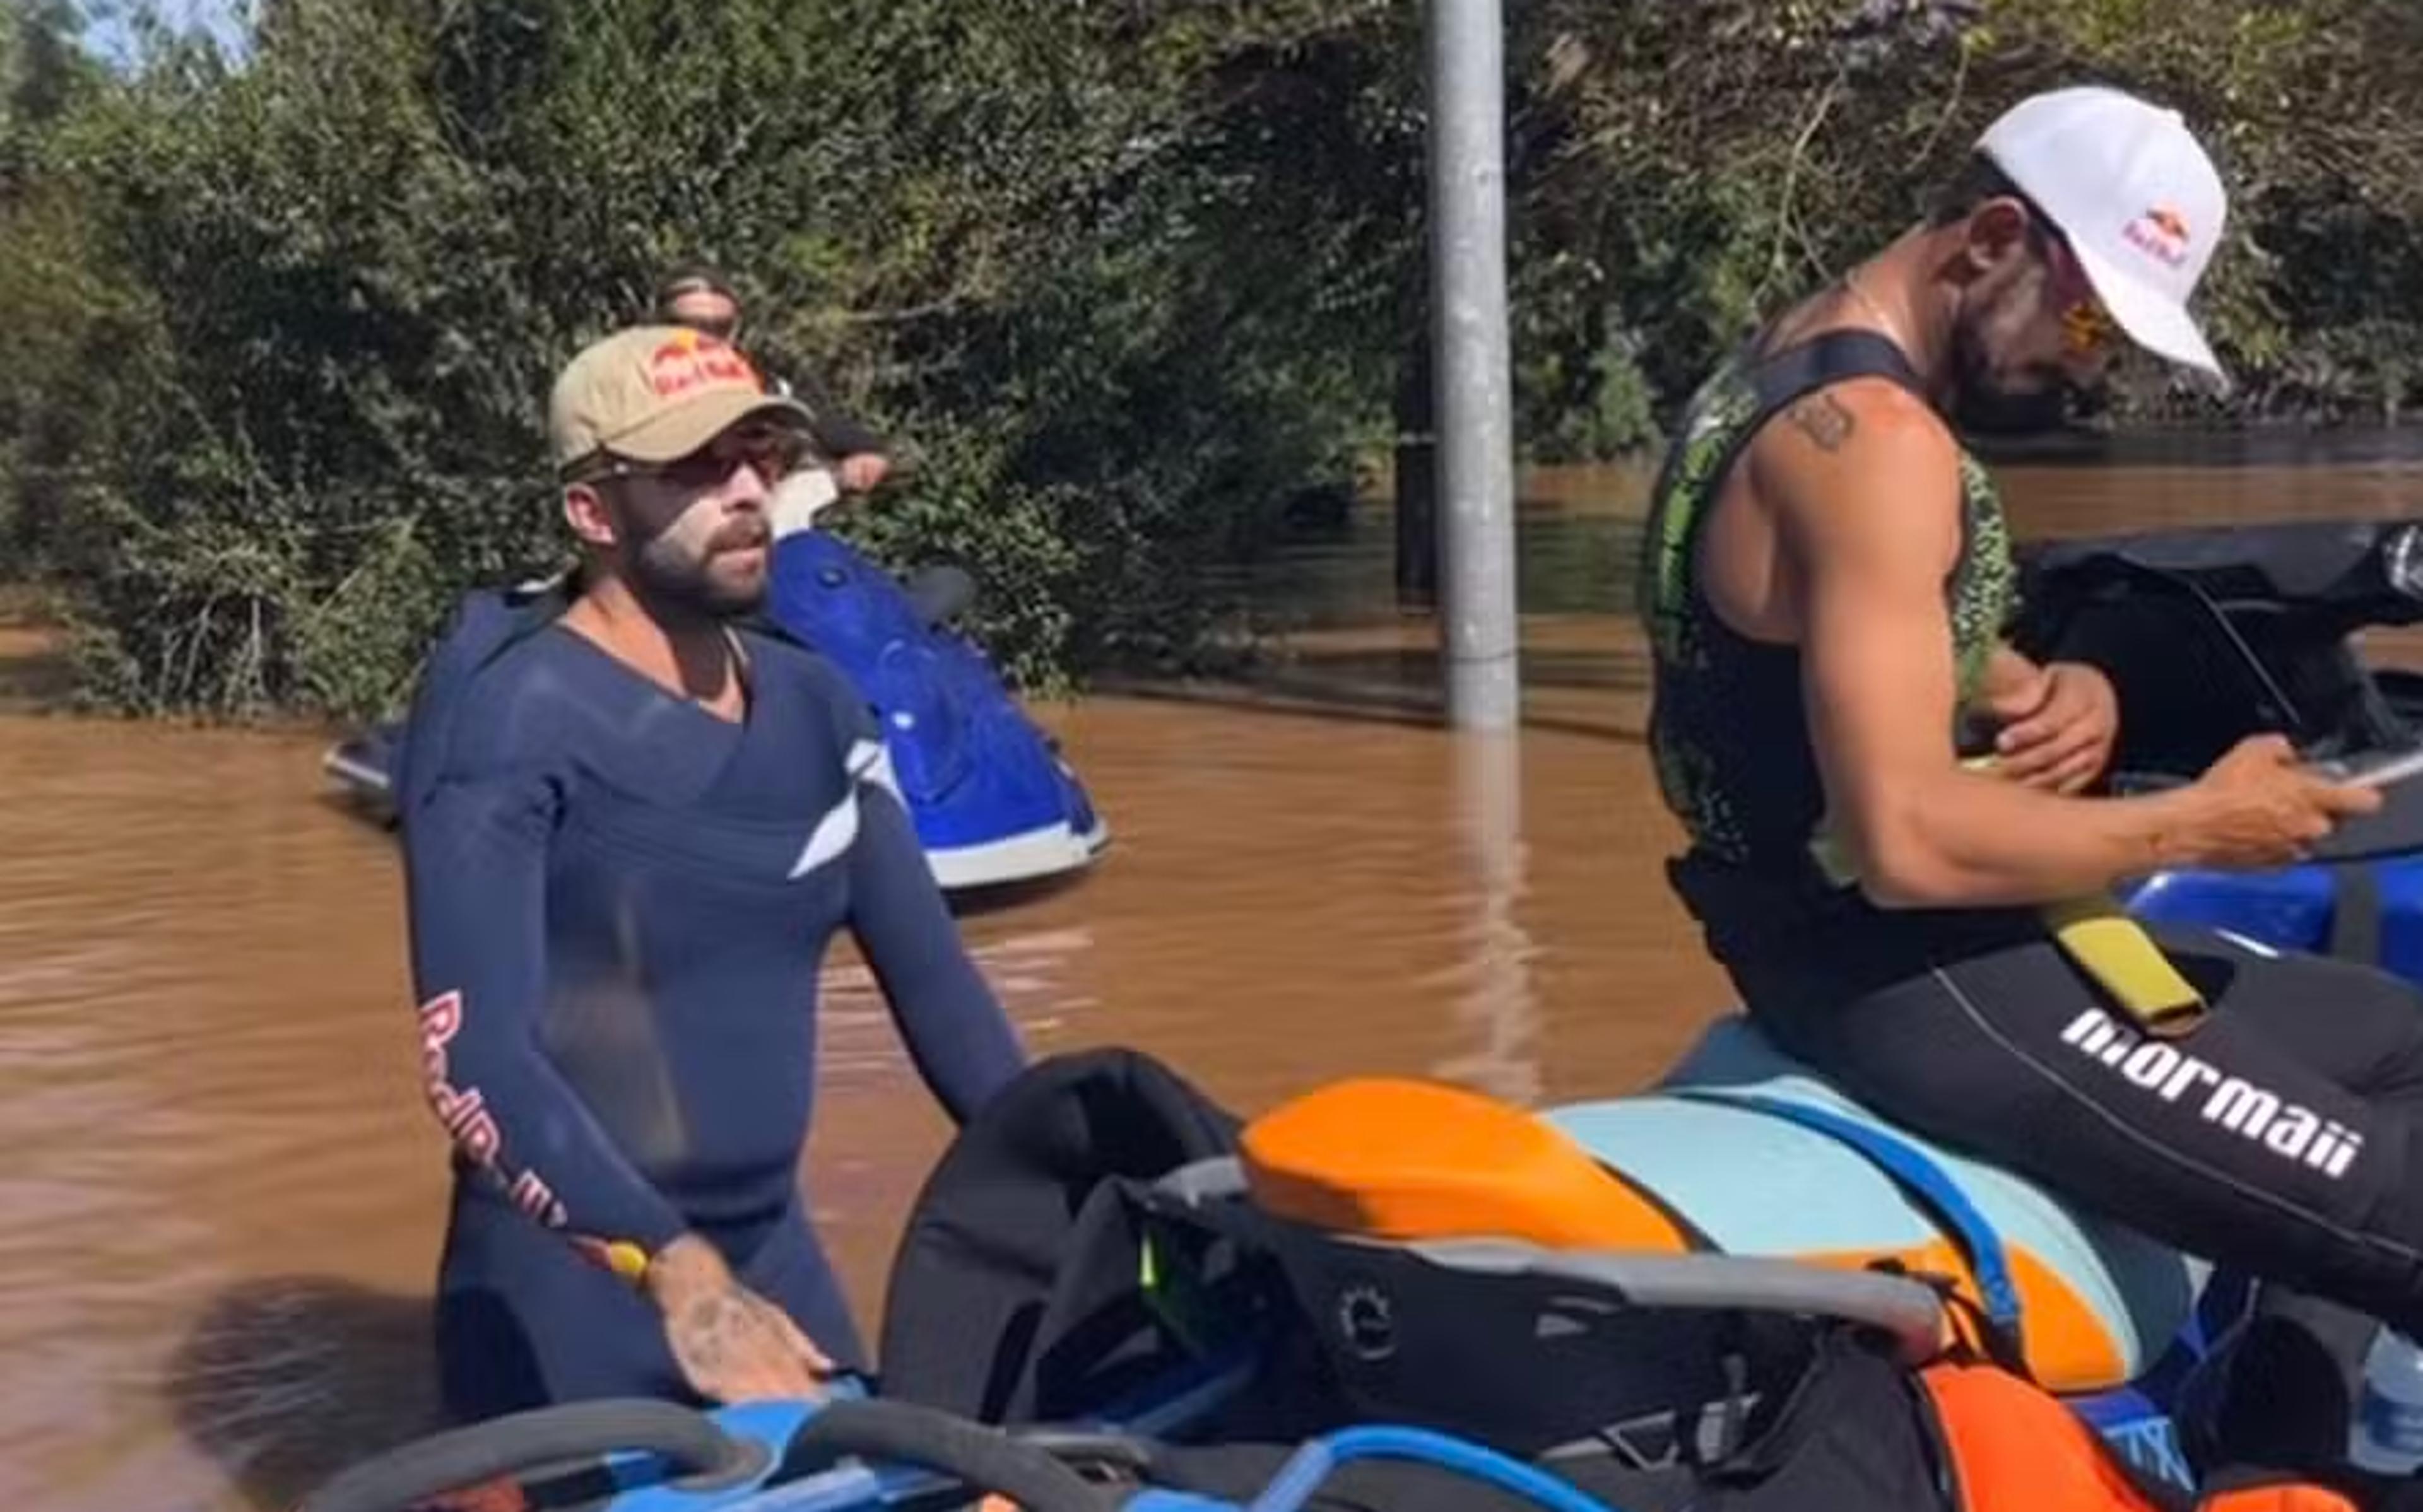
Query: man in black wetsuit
632,822
1825,586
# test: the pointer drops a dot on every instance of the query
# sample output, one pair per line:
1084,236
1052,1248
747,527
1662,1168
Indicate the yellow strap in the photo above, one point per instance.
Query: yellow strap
2091,931
2116,951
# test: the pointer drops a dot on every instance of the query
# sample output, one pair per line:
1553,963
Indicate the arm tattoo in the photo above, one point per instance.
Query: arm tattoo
1824,420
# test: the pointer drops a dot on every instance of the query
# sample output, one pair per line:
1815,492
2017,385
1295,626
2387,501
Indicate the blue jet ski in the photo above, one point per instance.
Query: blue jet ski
994,800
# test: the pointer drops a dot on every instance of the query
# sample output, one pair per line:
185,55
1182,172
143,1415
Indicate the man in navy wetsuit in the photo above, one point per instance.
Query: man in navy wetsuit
632,821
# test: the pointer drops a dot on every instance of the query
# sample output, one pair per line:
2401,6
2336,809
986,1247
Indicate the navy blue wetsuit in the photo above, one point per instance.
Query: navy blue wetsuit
619,903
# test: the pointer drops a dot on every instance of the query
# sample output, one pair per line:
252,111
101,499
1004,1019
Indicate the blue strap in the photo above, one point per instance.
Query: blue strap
1291,1488
1909,1165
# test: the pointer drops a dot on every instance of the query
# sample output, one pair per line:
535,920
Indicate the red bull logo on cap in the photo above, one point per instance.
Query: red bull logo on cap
2160,233
693,359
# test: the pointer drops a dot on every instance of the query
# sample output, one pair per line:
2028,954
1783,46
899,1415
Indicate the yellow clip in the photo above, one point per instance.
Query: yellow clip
621,1257
627,1260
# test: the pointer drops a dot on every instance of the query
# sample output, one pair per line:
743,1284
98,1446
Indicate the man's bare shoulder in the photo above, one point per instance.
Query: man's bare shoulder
1864,435
1862,421
1858,458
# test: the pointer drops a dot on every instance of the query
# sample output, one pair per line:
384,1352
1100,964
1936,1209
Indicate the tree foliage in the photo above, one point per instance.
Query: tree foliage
1121,276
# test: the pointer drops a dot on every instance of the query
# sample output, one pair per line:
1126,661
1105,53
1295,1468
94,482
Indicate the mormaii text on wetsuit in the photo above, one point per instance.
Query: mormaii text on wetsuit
2230,1102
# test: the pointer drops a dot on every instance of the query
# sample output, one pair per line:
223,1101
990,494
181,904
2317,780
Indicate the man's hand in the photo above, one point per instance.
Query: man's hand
2059,722
2260,806
731,1344
862,472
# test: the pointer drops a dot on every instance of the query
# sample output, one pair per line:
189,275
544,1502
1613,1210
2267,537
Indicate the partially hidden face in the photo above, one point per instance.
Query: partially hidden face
2031,331
706,310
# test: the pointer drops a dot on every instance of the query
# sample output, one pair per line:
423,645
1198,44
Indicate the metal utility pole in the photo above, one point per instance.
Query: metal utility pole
1476,462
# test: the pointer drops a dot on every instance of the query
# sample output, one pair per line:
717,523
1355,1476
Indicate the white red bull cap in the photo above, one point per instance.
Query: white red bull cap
2135,195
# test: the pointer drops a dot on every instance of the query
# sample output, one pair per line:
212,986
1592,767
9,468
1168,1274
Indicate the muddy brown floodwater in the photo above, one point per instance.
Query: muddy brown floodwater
220,1197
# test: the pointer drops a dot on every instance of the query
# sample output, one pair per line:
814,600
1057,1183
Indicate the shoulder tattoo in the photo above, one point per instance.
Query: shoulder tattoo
1824,421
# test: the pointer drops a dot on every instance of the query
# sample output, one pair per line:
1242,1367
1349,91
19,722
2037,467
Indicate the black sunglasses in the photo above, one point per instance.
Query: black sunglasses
773,450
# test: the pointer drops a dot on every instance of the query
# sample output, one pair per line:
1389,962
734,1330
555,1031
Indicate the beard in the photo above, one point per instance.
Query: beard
715,582
1985,404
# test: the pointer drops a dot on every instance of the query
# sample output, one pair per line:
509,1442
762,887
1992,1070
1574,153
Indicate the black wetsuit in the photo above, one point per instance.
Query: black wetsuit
619,904
2280,1137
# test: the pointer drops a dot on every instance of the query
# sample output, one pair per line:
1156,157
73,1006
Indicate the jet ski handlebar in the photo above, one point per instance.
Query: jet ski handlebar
2331,577
522,1443
2210,636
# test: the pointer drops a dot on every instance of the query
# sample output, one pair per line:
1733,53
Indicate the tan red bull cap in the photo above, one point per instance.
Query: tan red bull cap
2138,197
656,393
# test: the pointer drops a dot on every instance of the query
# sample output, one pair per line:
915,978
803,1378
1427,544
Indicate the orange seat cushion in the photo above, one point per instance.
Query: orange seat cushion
1393,1159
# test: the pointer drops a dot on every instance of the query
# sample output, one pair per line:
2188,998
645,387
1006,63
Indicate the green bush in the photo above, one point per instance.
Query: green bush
1122,279
339,277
